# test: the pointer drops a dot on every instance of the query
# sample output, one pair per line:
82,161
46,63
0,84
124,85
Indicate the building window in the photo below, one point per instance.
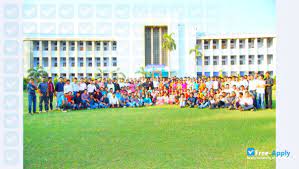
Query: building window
114,61
35,62
198,61
72,46
260,42
106,61
89,62
114,46
80,75
206,44
215,44
63,62
105,75
232,43
45,62
98,62
98,46
81,62
242,60
233,73
81,45
106,46
45,45
72,61
270,59
269,42
251,59
223,44
54,62
63,45
260,59
89,75
224,60
233,60
63,75
36,45
156,46
207,60
241,43
148,45
54,45
198,42
89,46
215,60
251,43
72,75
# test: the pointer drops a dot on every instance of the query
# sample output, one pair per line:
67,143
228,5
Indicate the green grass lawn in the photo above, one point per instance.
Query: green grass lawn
151,137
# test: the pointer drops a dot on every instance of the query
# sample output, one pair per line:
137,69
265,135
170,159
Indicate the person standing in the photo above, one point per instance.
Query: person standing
50,92
260,91
75,86
59,90
43,95
31,96
268,90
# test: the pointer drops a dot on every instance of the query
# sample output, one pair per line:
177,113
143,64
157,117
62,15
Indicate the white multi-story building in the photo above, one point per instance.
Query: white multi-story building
236,54
83,57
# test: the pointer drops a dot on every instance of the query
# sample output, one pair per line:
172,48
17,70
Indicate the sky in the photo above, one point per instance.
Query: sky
212,16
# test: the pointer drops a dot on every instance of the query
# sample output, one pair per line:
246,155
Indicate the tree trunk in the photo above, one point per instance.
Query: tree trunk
168,64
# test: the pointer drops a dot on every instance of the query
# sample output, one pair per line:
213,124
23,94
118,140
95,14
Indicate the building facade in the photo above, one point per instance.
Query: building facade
235,54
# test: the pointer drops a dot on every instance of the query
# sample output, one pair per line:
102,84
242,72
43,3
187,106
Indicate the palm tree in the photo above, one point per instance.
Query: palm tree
168,43
141,71
118,72
37,73
101,72
197,54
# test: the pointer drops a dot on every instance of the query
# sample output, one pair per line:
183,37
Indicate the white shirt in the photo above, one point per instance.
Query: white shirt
252,85
261,87
113,100
67,88
82,86
75,87
244,83
91,88
215,84
156,84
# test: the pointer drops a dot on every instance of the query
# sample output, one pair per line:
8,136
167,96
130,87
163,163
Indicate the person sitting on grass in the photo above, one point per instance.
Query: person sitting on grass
213,103
204,103
70,101
160,99
63,103
221,101
93,103
191,100
113,101
182,101
147,100
246,102
104,102
77,102
231,101
85,99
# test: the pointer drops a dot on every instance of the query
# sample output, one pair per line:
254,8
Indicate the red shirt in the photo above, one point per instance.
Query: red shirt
50,87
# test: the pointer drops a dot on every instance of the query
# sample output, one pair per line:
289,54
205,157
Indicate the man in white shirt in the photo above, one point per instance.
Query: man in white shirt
82,86
91,87
75,86
114,101
110,86
260,92
246,102
67,87
215,84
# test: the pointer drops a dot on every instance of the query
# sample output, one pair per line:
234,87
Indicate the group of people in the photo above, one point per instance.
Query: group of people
243,93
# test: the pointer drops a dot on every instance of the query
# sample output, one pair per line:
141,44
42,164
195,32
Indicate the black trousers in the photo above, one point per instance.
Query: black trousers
268,98
43,99
50,99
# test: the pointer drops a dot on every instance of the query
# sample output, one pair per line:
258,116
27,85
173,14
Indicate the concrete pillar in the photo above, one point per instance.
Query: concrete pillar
76,58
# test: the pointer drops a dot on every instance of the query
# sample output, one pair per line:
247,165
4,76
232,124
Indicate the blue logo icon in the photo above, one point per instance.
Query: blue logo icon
250,151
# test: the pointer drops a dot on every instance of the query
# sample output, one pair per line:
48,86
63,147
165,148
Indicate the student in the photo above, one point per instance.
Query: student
204,103
92,102
191,101
91,87
59,90
85,99
62,102
113,101
268,90
182,101
31,96
82,86
50,92
252,88
77,102
67,87
104,102
43,95
260,90
147,101
213,103
75,86
231,101
70,100
246,102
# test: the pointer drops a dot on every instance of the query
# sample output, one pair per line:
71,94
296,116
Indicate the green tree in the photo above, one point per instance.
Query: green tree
37,73
169,44
141,71
197,54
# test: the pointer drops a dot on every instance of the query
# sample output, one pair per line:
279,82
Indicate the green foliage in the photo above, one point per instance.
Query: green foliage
56,78
25,82
168,42
37,73
141,71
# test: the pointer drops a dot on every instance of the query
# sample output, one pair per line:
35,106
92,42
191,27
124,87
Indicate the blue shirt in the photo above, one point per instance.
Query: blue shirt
59,87
31,89
147,100
43,87
61,99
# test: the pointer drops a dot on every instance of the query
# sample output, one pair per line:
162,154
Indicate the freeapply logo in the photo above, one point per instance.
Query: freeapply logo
255,154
